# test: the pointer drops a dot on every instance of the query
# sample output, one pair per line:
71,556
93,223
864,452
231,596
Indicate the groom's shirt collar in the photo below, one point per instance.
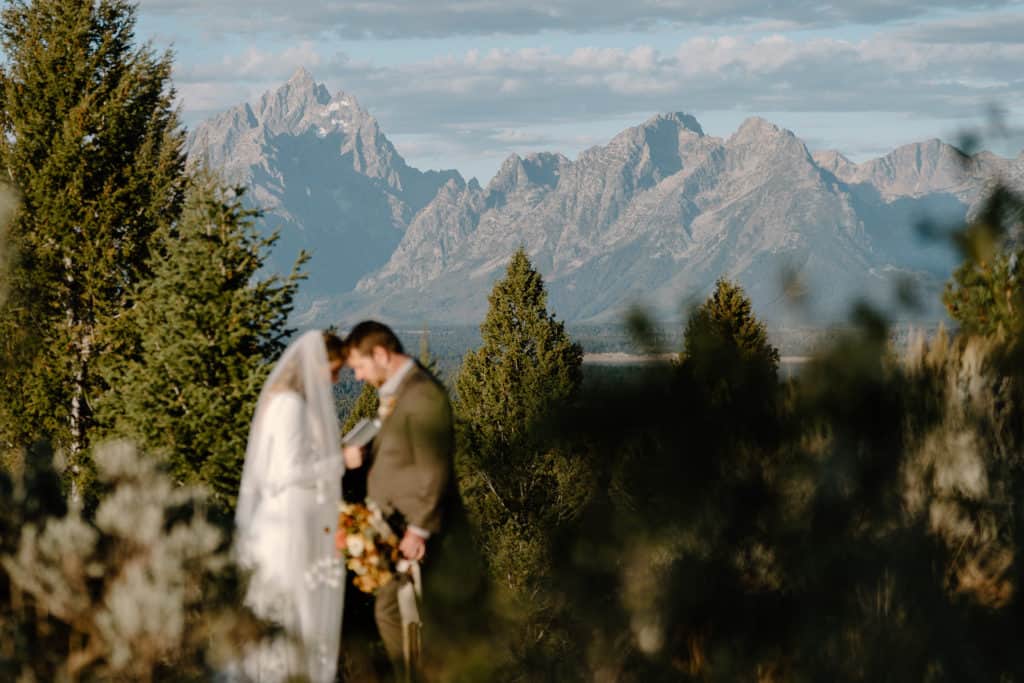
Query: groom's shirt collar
391,385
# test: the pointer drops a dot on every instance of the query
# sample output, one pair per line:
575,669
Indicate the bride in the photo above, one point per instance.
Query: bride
287,512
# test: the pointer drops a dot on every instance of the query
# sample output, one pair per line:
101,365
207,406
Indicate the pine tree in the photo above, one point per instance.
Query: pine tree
208,328
519,489
726,353
726,320
526,364
726,348
365,406
985,296
90,138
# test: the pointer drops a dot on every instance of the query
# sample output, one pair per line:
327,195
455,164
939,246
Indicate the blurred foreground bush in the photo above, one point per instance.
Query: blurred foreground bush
144,591
856,524
859,522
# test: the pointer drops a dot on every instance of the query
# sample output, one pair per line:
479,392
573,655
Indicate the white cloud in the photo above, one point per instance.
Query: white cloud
252,65
534,85
352,19
987,28
487,102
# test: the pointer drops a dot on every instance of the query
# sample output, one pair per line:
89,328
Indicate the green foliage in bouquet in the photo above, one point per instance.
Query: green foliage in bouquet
202,334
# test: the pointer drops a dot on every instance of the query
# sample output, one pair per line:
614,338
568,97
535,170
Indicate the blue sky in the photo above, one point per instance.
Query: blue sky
463,84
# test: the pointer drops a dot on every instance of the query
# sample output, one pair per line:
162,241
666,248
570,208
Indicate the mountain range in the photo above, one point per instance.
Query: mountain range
653,218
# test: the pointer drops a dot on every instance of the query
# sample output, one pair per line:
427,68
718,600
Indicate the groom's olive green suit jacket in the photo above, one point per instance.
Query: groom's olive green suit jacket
411,471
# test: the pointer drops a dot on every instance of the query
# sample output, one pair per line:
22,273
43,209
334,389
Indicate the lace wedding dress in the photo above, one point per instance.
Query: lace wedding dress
287,516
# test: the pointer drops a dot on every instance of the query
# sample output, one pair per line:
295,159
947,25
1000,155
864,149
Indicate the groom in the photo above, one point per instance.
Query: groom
411,457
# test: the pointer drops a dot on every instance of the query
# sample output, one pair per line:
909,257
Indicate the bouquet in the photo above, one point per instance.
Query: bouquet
369,546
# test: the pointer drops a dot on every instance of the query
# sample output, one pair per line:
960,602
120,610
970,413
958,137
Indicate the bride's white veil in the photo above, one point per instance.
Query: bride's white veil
303,368
318,587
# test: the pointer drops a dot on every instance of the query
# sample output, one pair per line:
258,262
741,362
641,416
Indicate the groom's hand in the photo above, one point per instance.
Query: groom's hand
353,456
413,546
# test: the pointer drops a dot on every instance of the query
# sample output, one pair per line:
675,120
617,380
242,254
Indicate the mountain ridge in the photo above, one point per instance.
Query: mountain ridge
324,173
652,217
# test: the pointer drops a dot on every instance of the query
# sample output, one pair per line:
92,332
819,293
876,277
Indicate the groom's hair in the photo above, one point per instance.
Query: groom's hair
369,334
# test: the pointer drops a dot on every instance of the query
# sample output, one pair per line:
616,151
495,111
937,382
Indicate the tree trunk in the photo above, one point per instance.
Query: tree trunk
80,414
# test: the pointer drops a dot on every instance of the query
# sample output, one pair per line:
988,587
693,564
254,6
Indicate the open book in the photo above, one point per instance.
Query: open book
362,433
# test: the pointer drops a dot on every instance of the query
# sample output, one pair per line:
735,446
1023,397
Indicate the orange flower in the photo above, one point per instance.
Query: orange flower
370,550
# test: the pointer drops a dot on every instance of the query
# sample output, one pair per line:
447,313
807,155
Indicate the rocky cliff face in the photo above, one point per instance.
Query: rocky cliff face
325,175
653,218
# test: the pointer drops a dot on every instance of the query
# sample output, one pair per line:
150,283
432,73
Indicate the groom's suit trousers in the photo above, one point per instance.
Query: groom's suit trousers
411,474
389,621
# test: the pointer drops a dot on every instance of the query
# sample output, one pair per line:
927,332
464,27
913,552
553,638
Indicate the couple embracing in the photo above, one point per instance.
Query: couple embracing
287,512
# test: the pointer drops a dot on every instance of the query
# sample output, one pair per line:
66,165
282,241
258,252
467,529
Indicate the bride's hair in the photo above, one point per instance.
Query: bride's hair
290,375
336,349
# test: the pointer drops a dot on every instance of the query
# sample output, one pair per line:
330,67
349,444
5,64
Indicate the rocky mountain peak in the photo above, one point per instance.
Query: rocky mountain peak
662,131
759,144
287,109
919,168
645,154
541,169
833,161
677,120
756,130
508,175
301,78
321,168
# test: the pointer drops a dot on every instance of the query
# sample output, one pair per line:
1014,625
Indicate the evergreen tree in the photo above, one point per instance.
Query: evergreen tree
517,488
985,296
208,328
526,364
90,138
365,406
726,354
727,319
